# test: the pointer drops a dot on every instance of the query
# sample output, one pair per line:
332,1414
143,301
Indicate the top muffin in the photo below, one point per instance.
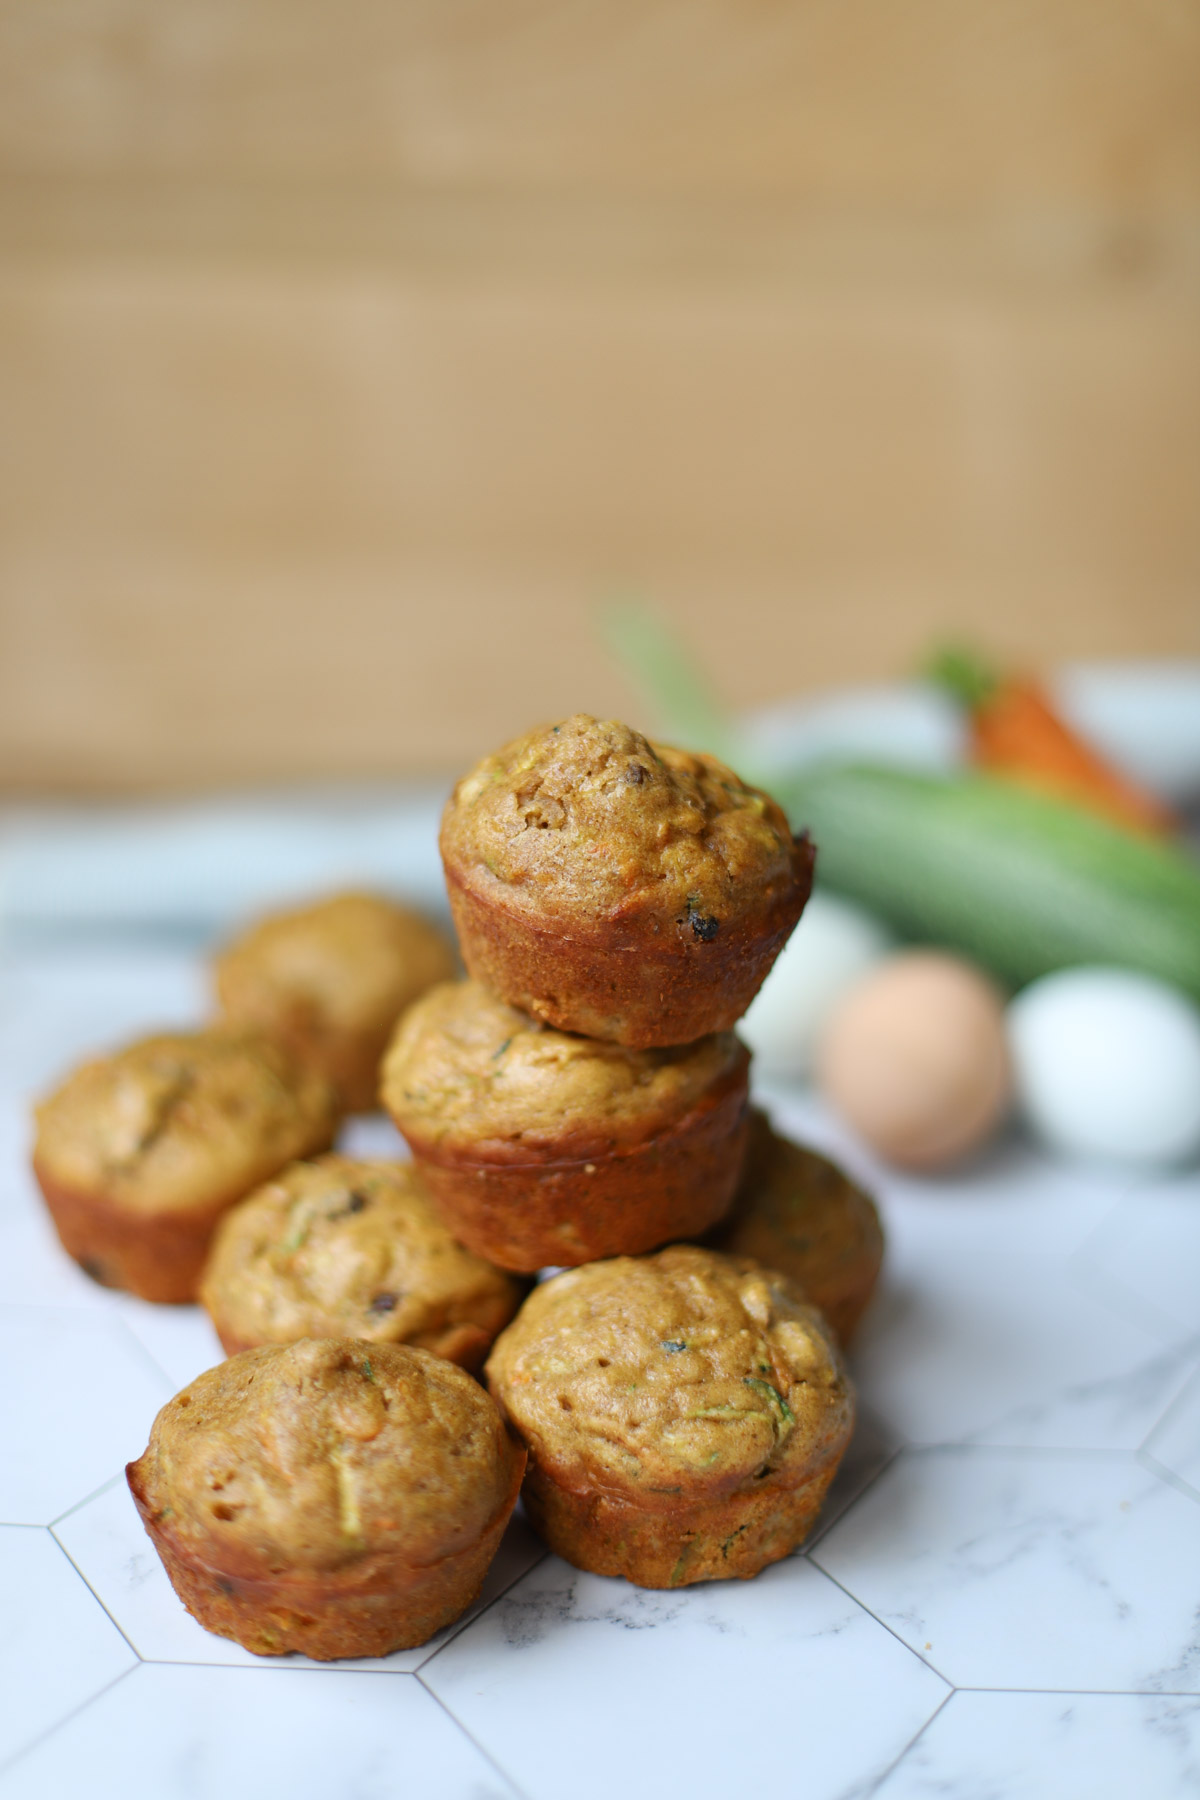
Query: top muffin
619,888
330,980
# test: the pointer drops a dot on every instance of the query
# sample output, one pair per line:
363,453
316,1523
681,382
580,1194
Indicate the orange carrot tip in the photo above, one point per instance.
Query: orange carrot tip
1016,732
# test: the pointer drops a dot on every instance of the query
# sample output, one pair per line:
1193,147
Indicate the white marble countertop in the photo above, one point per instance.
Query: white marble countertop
1002,1598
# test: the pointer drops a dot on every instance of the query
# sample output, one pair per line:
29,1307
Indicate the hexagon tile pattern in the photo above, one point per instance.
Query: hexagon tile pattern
1053,1747
57,1647
696,1691
107,1542
1018,1569
1149,1247
209,1732
1018,1520
80,1403
1174,1444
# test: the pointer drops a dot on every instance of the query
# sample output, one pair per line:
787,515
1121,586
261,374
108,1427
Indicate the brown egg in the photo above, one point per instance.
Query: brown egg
916,1060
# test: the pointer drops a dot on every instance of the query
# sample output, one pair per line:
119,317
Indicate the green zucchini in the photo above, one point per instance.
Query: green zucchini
1020,882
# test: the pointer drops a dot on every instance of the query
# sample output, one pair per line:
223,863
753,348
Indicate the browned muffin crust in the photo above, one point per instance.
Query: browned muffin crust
799,1213
139,1153
618,888
684,1414
331,1497
545,1148
350,1249
330,980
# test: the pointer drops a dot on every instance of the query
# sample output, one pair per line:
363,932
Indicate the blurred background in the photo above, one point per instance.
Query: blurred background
352,357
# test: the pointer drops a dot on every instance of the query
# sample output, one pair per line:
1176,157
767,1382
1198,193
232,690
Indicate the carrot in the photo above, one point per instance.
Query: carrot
1015,732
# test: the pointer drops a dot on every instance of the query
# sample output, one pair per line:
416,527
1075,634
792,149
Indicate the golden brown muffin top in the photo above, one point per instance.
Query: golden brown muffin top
467,1073
343,1248
180,1120
792,1202
592,821
354,959
670,1371
312,1456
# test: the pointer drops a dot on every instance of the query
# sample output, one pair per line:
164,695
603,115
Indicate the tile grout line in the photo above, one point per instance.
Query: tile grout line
472,1739
807,1548
102,1305
282,1665
892,1632
42,1736
960,1447
1151,1464
913,1742
972,1447
115,1622
462,1625
1178,1400
276,1665
1125,1302
1098,1693
86,1501
150,1360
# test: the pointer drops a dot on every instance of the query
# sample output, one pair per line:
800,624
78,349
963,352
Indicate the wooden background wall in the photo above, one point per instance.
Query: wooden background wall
351,354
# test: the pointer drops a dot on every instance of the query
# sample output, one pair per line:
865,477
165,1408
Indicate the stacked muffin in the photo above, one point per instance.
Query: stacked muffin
578,1102
618,905
582,1100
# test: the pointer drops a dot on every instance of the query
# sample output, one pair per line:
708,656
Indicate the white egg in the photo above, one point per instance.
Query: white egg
1107,1065
834,943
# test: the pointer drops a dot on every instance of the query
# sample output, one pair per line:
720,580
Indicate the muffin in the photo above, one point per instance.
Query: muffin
340,1248
684,1414
330,981
139,1153
614,887
542,1148
796,1212
332,1497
